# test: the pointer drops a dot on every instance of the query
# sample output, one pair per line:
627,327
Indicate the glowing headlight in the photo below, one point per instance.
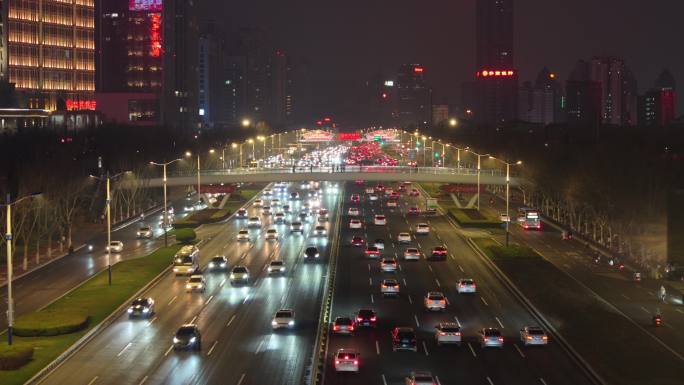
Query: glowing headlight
200,286
130,310
211,264
232,275
188,286
175,269
223,264
274,323
175,340
193,339
291,323
146,310
316,255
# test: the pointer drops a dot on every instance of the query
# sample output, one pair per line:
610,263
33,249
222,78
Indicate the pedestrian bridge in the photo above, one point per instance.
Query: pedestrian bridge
350,173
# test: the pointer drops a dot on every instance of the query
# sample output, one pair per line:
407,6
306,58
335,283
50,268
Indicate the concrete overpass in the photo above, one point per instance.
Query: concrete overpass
351,173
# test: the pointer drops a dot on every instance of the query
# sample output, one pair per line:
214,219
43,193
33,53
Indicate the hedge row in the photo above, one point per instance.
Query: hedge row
466,221
185,236
202,217
15,356
51,323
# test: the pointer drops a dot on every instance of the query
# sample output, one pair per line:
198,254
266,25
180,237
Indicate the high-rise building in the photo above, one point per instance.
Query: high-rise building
618,90
414,104
541,102
47,50
215,78
496,78
583,98
658,106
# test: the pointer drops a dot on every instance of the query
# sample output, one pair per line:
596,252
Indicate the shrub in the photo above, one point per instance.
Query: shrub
185,235
470,219
50,323
15,356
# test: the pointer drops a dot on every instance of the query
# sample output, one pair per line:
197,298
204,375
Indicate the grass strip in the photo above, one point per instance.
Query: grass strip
96,298
466,218
616,349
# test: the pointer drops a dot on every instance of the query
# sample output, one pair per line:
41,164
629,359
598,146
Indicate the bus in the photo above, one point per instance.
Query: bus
529,218
186,260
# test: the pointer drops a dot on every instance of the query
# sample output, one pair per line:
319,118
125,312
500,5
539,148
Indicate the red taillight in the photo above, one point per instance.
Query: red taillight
359,319
500,339
337,362
373,318
351,327
545,337
356,362
458,333
336,327
442,333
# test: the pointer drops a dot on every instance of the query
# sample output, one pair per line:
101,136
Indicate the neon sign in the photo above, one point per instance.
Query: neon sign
145,5
155,35
80,105
495,73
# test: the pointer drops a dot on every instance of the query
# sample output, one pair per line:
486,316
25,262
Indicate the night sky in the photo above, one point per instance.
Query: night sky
346,42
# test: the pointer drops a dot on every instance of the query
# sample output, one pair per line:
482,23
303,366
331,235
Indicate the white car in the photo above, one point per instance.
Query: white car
422,228
420,378
266,210
347,360
355,224
320,230
404,238
435,301
392,204
296,227
283,319
411,254
379,243
533,335
254,222
380,220
370,190
268,192
388,265
491,337
353,211
466,285
272,234
275,202
447,333
239,274
389,287
372,197
279,217
196,283
276,267
144,232
243,235
504,218
258,203
115,247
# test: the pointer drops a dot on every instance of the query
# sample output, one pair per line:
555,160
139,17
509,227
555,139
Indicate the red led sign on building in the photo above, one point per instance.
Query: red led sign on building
145,5
495,73
80,105
349,136
155,35
418,70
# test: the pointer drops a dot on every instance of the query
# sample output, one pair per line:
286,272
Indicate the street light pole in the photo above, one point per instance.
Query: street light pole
165,222
199,193
109,232
10,303
508,214
478,183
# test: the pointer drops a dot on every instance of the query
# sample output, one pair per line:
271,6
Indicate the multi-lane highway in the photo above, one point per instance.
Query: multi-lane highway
357,285
238,343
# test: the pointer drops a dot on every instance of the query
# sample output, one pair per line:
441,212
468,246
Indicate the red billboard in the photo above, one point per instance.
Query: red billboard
145,5
349,136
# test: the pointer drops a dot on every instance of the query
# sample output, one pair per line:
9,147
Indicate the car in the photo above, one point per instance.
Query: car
276,266
286,209
267,192
388,265
243,235
258,203
283,319
355,224
188,337
533,335
279,217
439,253
422,228
402,188
380,220
411,254
347,360
404,238
466,285
394,195
447,333
343,325
420,378
504,217
435,301
272,234
414,192
239,274
370,190
389,287
141,307
266,210
353,211
305,185
189,206
323,214
431,211
373,197
404,338
115,247
392,204
219,262
144,232
275,202
366,317
413,210
380,244
241,213
491,337
388,191
294,195
355,198
379,188
372,252
254,222
196,283
320,230
303,215
311,252
296,227
357,240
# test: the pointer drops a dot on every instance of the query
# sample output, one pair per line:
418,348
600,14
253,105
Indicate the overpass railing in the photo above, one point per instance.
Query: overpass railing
346,169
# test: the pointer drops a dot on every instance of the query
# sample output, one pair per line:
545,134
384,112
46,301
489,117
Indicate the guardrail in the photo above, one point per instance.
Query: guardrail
347,169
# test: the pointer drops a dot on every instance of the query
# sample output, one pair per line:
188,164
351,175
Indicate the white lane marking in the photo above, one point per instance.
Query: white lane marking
372,299
209,300
241,379
459,266
258,349
410,299
490,381
245,300
142,381
222,282
472,350
172,299
231,320
499,321
168,350
646,310
400,269
438,284
425,348
625,297
457,321
370,281
519,351
124,349
192,321
369,267
542,381
377,347
384,380
404,280
152,320
415,317
419,246
680,311
437,379
430,267
93,380
211,350
483,301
